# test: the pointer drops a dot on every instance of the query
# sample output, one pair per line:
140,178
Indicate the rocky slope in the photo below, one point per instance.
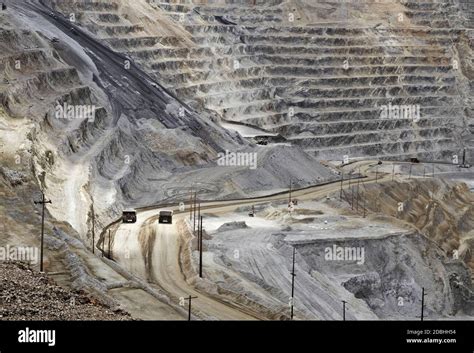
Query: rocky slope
143,143
26,295
319,73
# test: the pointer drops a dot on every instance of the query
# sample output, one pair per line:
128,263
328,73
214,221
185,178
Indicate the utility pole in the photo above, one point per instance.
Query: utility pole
191,206
393,170
109,245
352,198
199,218
342,181
422,303
424,172
43,202
200,248
194,213
410,170
358,185
365,210
104,240
189,299
344,310
93,229
293,275
377,174
357,199
289,195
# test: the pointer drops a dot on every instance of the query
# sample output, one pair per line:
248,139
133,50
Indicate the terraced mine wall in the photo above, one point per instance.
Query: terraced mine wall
143,143
385,79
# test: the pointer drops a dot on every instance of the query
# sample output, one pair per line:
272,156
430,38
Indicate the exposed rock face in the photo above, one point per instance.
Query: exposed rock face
390,280
323,74
443,211
141,143
232,226
327,79
383,86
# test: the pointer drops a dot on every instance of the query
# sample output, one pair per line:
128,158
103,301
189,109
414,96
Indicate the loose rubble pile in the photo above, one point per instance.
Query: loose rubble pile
29,295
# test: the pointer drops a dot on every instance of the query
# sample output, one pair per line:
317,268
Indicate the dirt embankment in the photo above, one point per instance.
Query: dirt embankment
441,210
29,295
238,299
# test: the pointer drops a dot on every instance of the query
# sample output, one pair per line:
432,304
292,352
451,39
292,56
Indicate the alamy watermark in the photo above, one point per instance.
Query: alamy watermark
75,112
37,336
410,112
19,253
237,159
339,253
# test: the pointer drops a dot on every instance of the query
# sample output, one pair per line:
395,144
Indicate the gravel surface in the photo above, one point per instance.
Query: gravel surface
26,294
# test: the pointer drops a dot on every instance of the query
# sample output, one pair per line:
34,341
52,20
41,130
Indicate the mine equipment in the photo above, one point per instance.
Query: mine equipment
165,217
129,216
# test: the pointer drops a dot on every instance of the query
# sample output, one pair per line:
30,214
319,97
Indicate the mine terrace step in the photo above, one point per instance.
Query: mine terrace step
88,6
361,93
379,133
294,126
306,72
427,150
352,103
119,28
287,49
334,81
325,83
391,131
338,41
323,62
274,119
62,77
425,144
143,41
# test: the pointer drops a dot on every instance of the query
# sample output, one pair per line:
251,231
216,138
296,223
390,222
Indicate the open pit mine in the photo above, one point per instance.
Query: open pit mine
237,160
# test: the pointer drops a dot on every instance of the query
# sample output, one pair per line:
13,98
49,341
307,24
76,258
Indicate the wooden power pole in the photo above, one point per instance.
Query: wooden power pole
43,202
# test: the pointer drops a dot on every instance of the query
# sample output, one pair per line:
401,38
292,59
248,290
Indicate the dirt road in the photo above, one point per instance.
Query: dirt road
152,251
